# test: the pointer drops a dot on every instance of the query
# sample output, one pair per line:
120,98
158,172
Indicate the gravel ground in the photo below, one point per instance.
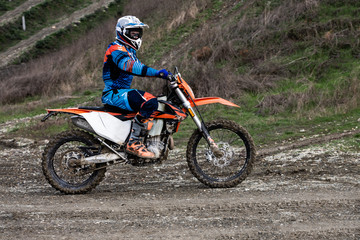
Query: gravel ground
300,193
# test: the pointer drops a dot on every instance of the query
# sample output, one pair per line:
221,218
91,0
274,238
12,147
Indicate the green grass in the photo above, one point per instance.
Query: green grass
271,130
338,9
325,77
36,129
324,66
266,130
275,129
349,144
35,106
37,18
6,5
41,130
176,36
69,34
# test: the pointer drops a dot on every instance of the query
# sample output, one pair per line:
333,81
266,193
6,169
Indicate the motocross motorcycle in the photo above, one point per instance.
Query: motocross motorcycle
219,154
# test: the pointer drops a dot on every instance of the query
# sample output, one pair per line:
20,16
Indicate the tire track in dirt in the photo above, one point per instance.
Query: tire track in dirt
292,193
288,196
226,217
13,52
306,142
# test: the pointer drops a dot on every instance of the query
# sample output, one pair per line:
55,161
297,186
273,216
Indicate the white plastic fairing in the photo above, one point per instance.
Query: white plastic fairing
108,126
157,127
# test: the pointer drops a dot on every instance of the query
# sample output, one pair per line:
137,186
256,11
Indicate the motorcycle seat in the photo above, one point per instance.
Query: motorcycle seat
106,108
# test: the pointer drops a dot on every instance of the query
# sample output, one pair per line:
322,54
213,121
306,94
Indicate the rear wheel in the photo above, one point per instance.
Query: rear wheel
238,157
62,166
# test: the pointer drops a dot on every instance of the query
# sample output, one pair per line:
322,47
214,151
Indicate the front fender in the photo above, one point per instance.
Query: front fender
210,100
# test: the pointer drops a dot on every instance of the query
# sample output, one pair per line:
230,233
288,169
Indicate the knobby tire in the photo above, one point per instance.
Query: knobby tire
53,177
197,168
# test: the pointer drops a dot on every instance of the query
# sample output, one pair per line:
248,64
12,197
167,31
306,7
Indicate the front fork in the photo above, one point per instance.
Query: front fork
213,146
200,124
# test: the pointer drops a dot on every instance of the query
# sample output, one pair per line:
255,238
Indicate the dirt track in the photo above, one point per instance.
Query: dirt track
15,51
13,14
308,193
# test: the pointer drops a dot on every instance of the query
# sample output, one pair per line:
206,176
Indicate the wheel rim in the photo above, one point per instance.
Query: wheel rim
235,157
66,164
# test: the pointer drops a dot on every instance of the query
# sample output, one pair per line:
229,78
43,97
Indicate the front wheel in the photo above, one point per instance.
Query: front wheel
62,166
237,159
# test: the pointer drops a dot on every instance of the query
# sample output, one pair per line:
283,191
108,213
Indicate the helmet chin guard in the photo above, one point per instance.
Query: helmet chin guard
124,27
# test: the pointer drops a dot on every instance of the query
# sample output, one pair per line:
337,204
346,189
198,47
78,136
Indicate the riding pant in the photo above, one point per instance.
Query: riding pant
133,100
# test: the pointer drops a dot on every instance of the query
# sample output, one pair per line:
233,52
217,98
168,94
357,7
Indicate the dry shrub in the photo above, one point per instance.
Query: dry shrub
202,54
219,48
254,42
162,8
71,69
288,101
229,46
78,66
344,98
272,104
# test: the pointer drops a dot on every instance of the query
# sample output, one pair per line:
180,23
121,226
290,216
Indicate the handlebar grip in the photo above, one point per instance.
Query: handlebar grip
169,77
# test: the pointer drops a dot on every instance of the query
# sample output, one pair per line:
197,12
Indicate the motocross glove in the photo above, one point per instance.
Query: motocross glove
163,74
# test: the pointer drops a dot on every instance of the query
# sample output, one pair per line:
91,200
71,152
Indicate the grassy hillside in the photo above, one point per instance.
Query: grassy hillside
38,17
291,65
9,5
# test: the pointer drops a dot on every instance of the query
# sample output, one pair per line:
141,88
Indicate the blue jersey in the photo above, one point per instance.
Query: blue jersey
120,66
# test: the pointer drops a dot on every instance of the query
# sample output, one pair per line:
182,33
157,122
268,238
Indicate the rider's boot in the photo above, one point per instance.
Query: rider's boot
136,145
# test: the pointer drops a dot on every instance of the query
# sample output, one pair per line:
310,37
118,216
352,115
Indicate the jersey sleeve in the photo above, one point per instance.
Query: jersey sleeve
123,60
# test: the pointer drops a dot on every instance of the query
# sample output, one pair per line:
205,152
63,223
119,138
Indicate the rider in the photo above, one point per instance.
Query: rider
120,66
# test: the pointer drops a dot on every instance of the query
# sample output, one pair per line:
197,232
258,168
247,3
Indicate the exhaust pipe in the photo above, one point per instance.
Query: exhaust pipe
101,158
80,122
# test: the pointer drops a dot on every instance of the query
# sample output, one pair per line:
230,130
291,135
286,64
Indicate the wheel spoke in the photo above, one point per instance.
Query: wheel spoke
66,166
230,164
231,168
63,166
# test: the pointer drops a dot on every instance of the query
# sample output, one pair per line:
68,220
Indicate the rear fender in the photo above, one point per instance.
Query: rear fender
104,124
53,112
78,111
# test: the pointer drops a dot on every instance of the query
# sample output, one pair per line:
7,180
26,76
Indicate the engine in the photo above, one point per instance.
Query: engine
155,145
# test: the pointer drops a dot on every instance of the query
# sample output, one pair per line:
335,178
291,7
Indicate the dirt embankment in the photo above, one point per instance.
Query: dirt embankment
293,193
12,53
13,14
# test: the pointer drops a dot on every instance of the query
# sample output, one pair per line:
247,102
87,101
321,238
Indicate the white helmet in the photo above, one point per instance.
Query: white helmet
126,27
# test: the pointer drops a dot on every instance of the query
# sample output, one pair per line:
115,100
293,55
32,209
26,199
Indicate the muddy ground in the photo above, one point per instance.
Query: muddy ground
310,192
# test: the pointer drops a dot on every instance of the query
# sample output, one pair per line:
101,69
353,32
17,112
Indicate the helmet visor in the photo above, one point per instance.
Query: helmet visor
134,33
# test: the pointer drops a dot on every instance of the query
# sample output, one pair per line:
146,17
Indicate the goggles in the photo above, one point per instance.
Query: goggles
134,33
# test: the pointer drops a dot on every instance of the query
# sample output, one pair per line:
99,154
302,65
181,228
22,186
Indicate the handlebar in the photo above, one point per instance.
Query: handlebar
170,77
